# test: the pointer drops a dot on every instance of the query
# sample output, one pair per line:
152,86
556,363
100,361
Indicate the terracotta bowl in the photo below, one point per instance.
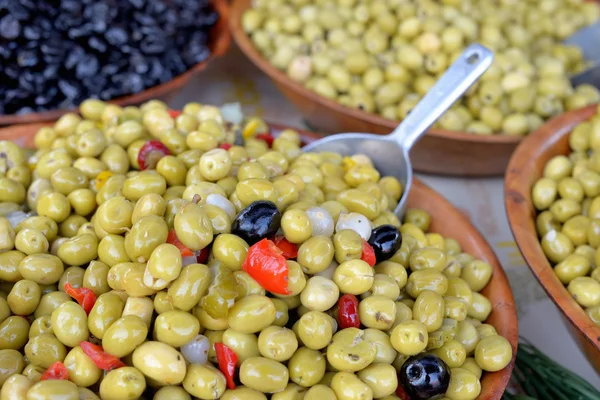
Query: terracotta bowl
447,221
439,152
220,40
525,168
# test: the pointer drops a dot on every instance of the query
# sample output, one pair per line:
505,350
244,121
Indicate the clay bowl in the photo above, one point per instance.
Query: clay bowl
439,152
524,169
447,221
220,40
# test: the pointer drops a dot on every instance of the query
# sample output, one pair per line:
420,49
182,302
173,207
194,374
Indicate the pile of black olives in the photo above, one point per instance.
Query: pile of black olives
54,54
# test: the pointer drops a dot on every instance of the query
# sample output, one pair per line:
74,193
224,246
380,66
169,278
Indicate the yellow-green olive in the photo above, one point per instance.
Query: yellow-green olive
264,375
82,369
160,362
121,383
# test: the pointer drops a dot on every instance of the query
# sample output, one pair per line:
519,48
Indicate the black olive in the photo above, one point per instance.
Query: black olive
261,219
424,376
385,240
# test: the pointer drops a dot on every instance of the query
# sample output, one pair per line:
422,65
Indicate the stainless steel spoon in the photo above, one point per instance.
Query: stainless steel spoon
389,153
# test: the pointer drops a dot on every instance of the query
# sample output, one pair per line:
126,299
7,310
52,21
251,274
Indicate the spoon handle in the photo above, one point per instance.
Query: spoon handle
471,64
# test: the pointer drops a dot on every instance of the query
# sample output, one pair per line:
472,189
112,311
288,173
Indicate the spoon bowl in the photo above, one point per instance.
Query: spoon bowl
390,153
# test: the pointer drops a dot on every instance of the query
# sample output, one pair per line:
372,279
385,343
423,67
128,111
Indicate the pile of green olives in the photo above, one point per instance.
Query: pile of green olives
384,56
156,215
567,198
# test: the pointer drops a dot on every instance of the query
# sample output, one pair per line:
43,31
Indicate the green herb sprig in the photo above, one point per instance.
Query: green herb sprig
542,378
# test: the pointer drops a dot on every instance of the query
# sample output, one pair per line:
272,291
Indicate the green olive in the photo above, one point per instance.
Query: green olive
49,302
124,335
245,345
264,375
44,350
347,386
53,389
106,310
24,297
15,387
139,244
120,383
79,250
193,227
204,381
160,362
176,328
41,268
316,254
349,351
12,363
251,314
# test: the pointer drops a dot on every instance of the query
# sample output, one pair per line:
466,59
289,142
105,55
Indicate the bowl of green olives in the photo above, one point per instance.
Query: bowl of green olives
551,187
146,255
355,66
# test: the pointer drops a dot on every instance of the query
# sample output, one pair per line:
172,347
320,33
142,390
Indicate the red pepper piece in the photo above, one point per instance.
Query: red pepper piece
401,393
348,312
368,254
174,113
266,264
84,296
174,240
225,146
227,362
103,360
202,256
289,250
150,153
267,137
56,371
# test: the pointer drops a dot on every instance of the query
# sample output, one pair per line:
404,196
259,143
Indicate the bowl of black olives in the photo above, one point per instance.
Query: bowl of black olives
55,56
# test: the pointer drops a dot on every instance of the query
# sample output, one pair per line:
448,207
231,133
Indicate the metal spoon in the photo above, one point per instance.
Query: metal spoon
389,153
587,40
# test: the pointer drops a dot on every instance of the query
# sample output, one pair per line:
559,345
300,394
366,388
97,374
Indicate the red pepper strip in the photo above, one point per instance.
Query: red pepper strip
348,312
368,254
227,362
174,113
225,146
150,153
289,250
401,393
267,137
56,371
267,266
103,360
84,296
203,255
172,239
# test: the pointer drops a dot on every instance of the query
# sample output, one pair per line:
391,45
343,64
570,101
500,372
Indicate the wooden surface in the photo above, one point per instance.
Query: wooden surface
440,151
525,168
446,220
220,40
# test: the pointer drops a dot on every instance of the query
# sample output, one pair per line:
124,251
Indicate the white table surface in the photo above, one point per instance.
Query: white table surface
234,79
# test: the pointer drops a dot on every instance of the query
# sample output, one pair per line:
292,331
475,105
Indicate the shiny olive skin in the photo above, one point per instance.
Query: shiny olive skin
53,389
124,335
175,328
11,362
70,324
81,368
160,362
14,331
44,350
261,219
122,383
385,240
264,375
106,310
424,376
